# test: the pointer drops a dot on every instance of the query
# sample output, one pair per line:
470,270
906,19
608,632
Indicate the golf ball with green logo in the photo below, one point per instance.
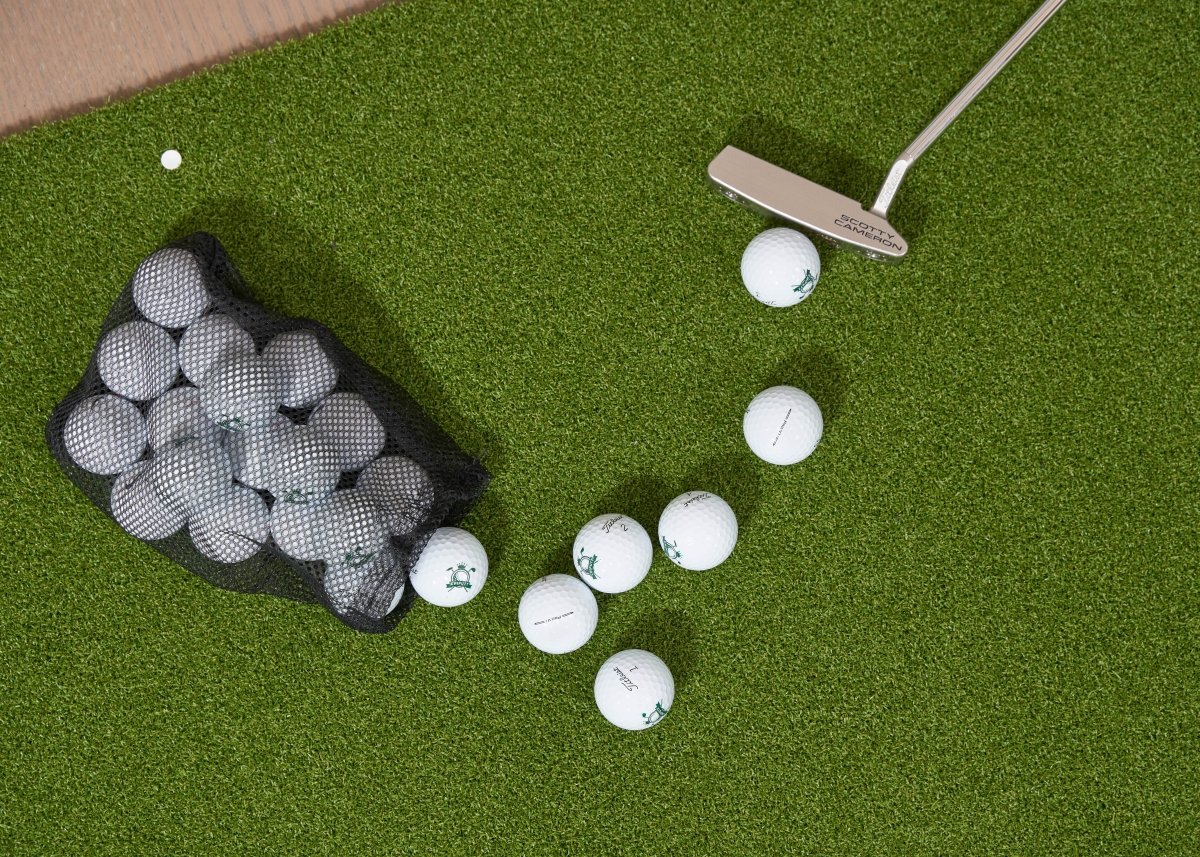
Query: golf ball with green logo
697,530
612,553
451,569
780,267
634,689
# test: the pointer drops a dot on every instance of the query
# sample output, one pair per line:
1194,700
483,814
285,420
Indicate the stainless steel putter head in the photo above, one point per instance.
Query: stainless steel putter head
775,192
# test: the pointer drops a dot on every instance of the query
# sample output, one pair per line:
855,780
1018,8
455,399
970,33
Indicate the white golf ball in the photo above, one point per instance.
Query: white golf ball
374,589
612,553
781,267
169,289
171,159
634,689
401,489
177,414
308,373
105,434
697,530
139,509
192,473
452,568
351,532
137,360
302,466
783,425
250,452
295,529
558,613
356,431
232,529
209,341
242,393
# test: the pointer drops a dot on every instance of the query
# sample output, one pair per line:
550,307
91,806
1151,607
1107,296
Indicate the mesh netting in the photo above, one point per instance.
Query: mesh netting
256,450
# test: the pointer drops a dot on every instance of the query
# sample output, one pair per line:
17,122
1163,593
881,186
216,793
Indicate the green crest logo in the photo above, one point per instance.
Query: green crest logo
586,564
460,576
671,549
297,495
806,285
232,424
357,558
656,715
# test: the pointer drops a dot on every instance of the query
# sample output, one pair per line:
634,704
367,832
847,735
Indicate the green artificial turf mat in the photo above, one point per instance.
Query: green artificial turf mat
968,624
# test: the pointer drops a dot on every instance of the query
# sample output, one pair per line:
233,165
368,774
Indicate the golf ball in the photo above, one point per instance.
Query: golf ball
232,529
208,341
373,590
242,393
356,431
192,473
137,360
612,553
249,452
307,372
177,414
302,466
781,267
401,489
697,530
558,614
139,509
168,287
634,689
452,568
351,531
105,434
783,425
295,528
170,159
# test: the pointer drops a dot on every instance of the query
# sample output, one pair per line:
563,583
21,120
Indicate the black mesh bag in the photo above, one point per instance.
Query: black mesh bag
256,450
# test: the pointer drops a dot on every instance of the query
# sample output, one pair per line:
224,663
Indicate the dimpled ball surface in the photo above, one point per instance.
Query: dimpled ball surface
558,614
242,393
308,373
356,432
177,414
105,434
780,267
302,466
697,530
634,689
209,341
138,360
250,452
140,510
452,568
295,530
168,287
232,529
613,553
402,490
783,425
192,473
351,530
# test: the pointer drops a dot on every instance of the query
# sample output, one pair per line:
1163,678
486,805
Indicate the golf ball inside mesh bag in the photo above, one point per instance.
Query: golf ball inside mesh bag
295,530
558,614
233,528
139,509
356,432
307,372
351,531
373,589
177,414
612,553
209,341
302,466
783,425
250,452
451,569
634,689
105,434
192,473
169,288
401,489
780,267
242,393
697,530
137,360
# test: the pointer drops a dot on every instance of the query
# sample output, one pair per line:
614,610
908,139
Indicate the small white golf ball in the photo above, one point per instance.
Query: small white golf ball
242,393
192,473
169,289
374,589
232,529
558,613
208,341
137,360
401,489
780,267
177,414
612,553
452,568
356,431
295,529
139,509
105,434
351,531
302,466
634,689
308,373
697,530
783,425
170,159
250,452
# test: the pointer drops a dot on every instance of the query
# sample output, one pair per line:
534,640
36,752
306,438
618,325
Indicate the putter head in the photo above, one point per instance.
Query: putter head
773,191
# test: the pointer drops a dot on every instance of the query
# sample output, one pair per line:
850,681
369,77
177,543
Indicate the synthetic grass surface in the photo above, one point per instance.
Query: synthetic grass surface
968,624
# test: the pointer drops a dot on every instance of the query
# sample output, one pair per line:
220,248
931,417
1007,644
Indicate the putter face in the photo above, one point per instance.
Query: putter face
773,191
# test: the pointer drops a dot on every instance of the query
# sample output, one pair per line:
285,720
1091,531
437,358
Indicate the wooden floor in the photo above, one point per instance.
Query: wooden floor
59,57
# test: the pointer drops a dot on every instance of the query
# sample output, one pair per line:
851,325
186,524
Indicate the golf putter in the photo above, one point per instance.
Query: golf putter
773,191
